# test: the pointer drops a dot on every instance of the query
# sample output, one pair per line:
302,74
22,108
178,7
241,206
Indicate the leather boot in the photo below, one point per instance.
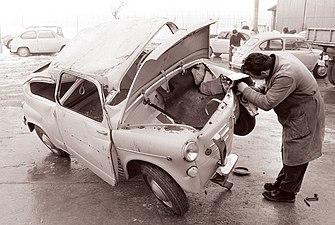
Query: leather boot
271,186
279,196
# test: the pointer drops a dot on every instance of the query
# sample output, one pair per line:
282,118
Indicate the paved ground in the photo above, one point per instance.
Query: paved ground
37,187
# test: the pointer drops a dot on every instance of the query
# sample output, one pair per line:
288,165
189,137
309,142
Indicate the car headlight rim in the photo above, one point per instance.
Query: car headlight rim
191,151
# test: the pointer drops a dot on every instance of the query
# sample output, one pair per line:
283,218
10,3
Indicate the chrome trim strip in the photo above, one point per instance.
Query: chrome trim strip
142,153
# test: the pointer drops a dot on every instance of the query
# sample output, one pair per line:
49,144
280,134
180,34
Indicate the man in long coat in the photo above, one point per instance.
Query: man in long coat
291,90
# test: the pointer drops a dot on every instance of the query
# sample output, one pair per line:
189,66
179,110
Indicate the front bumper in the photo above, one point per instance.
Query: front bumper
222,172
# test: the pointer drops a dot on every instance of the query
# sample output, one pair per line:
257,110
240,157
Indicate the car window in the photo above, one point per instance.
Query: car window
45,34
296,44
224,35
81,96
44,90
272,45
29,35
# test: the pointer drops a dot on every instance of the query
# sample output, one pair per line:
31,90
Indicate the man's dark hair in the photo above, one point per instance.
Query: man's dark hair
255,63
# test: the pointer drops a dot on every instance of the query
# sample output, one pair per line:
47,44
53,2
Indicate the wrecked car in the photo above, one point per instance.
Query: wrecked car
147,101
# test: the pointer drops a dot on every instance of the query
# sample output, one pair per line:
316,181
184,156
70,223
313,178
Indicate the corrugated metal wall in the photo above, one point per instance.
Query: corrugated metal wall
302,14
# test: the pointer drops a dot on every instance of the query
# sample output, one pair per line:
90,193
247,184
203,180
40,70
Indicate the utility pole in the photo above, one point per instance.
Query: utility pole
256,8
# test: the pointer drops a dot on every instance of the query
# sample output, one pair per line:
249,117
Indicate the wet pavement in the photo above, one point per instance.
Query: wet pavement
37,187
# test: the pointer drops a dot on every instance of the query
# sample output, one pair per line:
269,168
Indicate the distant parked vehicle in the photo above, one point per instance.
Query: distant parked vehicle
37,40
7,39
268,43
324,38
220,44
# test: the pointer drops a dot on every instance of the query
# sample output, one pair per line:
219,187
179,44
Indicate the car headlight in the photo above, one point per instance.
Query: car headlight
190,151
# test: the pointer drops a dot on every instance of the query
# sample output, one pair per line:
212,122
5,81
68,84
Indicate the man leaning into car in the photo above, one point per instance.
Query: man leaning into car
291,90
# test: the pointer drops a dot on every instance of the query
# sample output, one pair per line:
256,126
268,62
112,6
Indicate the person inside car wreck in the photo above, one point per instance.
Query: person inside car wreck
291,90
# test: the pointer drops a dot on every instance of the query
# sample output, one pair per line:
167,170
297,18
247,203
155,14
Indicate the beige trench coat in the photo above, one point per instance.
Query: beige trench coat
293,93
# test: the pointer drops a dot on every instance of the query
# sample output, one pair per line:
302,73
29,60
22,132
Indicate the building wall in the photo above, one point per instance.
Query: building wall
302,14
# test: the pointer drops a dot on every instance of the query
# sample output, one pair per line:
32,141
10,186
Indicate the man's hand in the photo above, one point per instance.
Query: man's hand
241,86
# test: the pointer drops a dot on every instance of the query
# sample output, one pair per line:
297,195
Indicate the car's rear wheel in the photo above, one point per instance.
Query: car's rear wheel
166,189
320,71
23,51
46,140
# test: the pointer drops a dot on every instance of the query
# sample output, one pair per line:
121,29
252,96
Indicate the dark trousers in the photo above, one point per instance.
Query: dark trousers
290,178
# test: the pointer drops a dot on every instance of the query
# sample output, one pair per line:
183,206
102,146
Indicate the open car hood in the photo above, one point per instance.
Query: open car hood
183,47
106,51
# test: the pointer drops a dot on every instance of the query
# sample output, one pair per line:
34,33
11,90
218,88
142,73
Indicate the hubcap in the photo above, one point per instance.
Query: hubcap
159,193
322,71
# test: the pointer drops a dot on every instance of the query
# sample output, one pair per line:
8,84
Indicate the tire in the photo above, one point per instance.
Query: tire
23,52
166,190
320,72
47,142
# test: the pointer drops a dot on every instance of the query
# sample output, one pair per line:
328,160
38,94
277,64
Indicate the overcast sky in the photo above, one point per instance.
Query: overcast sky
18,14
26,7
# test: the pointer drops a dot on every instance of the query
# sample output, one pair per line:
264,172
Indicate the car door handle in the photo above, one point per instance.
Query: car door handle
102,132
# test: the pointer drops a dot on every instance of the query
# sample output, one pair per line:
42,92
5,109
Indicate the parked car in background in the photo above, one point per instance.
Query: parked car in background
126,107
270,42
37,40
7,39
220,44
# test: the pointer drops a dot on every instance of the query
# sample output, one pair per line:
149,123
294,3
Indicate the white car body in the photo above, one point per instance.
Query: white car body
220,44
268,43
37,40
100,107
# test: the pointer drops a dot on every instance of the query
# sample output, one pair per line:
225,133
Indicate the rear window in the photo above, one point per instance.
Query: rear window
44,90
45,34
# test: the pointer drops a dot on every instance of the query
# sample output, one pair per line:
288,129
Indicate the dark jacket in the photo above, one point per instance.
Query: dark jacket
293,93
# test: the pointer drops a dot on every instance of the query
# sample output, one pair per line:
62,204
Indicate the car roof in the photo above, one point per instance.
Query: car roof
37,29
115,55
267,35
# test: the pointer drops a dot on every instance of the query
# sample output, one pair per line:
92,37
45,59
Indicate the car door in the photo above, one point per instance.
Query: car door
83,124
302,50
47,41
29,39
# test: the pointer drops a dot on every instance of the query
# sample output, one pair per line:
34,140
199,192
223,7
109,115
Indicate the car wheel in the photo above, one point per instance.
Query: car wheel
320,71
245,122
23,51
166,190
46,140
